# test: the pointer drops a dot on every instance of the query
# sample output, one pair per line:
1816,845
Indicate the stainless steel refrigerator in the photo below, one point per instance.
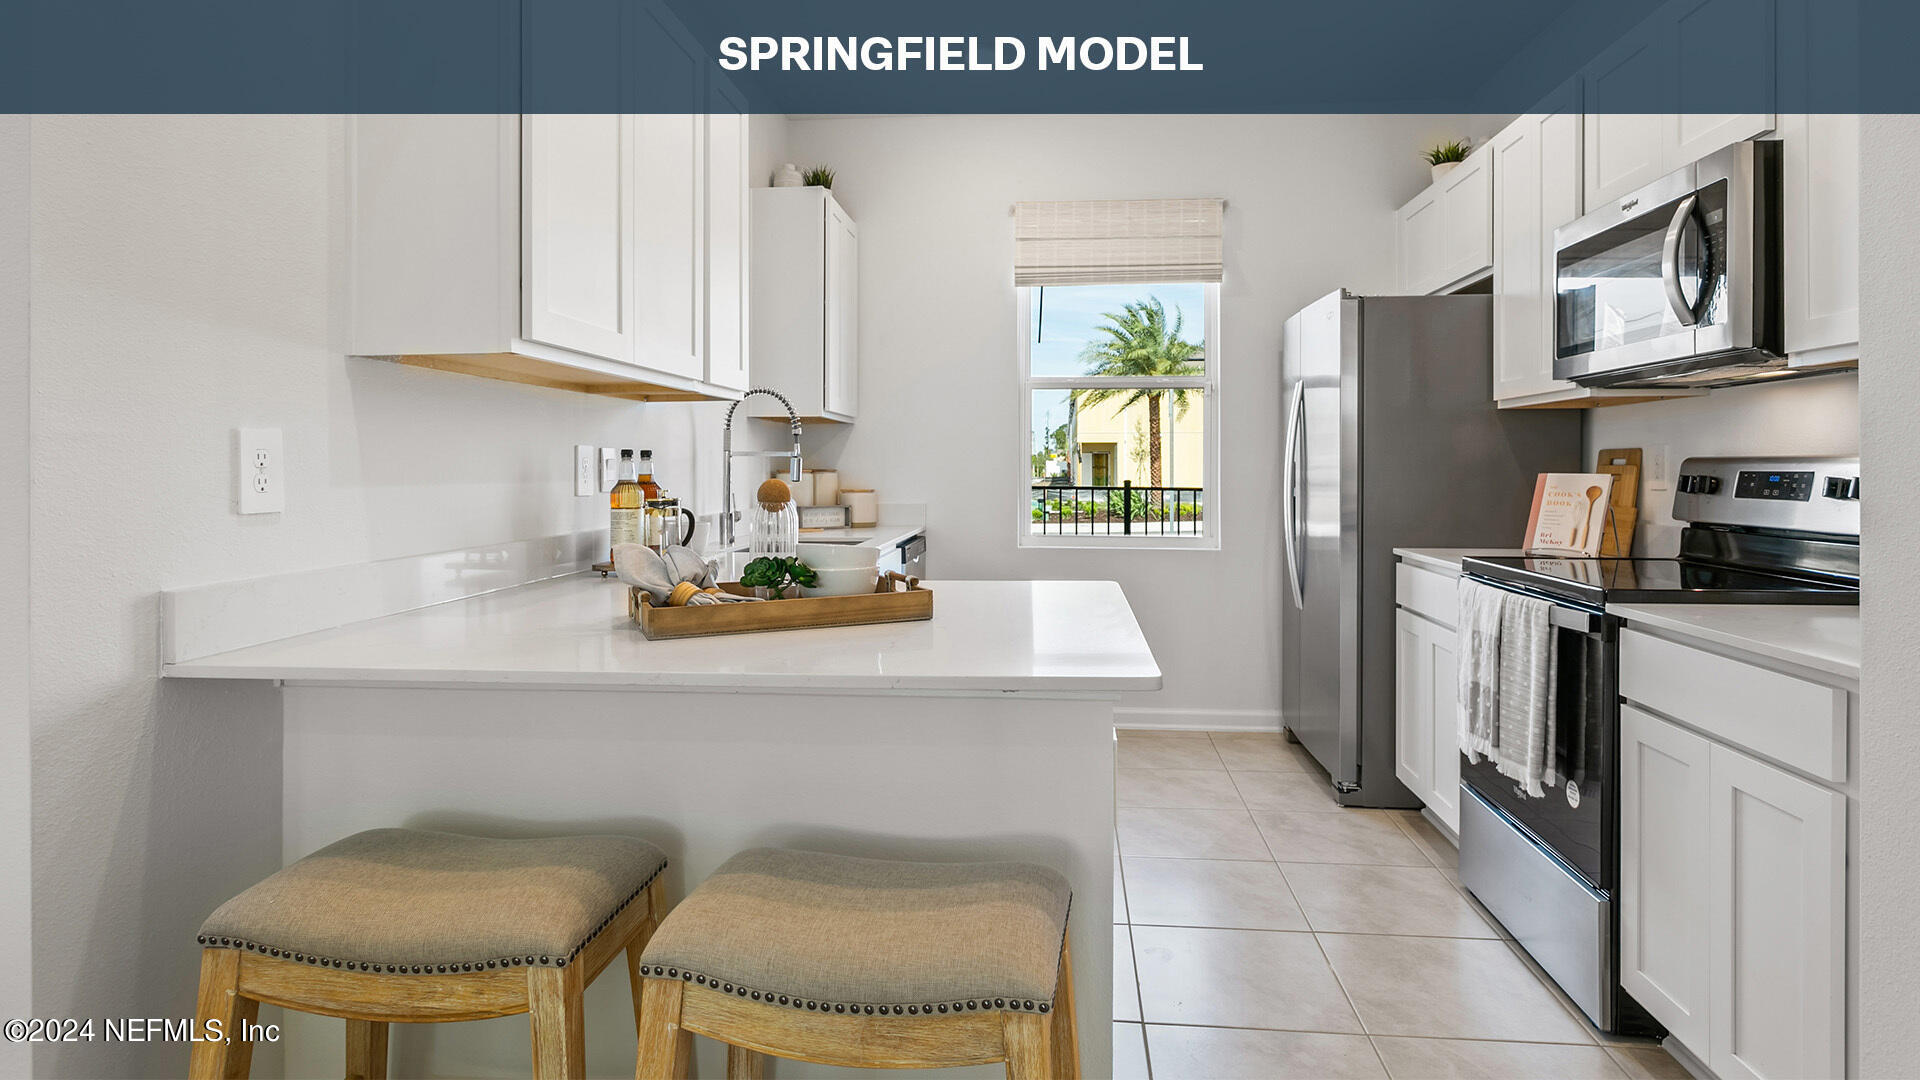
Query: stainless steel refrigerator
1390,439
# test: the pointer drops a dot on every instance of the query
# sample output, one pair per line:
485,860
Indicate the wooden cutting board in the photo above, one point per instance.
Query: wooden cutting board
1623,506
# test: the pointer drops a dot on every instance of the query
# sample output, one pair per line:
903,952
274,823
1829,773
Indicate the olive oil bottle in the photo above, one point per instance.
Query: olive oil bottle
628,503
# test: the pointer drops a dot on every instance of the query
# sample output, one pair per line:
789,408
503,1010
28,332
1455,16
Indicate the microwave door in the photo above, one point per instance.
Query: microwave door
1614,292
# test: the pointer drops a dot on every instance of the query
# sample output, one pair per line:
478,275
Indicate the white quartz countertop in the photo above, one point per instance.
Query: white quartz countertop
574,632
1447,560
1825,638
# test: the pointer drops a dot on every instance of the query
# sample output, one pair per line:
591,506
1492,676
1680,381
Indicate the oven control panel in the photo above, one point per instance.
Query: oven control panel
1820,495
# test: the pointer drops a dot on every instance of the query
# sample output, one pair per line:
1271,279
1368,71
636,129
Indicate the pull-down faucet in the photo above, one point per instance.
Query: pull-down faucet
726,456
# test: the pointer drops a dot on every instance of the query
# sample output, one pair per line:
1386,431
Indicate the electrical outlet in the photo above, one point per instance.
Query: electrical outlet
1656,461
260,471
609,467
583,468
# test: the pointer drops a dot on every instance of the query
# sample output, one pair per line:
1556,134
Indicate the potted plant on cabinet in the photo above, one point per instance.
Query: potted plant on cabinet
1445,157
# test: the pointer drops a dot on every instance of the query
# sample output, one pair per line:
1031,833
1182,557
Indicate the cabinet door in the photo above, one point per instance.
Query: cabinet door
1743,28
1466,220
726,242
1820,163
1536,187
578,195
1418,228
1624,146
1413,717
1443,719
842,393
1664,910
1778,943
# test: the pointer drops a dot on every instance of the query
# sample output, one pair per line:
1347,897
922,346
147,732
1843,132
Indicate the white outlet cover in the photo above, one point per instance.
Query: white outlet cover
585,463
260,472
1656,461
609,467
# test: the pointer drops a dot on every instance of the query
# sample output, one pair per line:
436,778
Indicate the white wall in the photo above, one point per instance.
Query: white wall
184,271
16,827
1818,415
1889,678
1310,204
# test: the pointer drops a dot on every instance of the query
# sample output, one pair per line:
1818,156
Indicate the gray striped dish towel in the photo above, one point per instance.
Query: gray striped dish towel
1507,679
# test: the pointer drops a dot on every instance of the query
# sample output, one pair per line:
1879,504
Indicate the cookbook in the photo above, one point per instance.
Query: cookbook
1569,514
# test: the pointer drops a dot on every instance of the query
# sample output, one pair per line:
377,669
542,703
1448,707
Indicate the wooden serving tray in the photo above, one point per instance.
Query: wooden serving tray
896,598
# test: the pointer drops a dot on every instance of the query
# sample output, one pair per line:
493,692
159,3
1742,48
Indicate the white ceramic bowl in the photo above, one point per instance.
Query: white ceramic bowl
842,569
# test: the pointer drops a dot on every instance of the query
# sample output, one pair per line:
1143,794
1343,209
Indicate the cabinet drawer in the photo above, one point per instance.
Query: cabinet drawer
1436,596
1800,723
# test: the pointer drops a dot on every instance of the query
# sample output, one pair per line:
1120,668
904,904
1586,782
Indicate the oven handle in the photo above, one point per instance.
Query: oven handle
1580,622
1670,262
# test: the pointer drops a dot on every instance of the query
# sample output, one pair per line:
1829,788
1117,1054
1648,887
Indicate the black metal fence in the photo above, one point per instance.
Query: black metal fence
1125,510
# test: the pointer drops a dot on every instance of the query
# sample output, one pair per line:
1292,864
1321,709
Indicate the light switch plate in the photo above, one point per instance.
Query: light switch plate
260,471
585,465
609,467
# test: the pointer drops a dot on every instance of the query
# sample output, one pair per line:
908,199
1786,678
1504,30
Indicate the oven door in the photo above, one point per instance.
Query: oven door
1660,277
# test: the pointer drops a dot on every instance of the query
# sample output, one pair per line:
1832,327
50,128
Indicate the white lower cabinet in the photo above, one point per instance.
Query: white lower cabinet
1733,902
1427,712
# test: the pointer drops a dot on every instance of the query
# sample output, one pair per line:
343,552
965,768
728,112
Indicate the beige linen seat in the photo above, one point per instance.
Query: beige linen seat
414,926
864,963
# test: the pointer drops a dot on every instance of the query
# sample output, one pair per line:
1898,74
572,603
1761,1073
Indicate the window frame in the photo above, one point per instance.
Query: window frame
1208,383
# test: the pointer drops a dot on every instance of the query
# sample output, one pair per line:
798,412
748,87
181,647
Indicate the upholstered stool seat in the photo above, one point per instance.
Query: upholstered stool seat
408,901
406,925
799,954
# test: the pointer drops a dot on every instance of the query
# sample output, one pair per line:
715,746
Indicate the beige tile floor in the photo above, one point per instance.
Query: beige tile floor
1261,930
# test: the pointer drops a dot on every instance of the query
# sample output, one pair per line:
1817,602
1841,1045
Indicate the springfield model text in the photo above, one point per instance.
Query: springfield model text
955,54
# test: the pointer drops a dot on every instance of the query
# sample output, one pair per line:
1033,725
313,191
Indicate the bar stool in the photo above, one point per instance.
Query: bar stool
863,963
409,926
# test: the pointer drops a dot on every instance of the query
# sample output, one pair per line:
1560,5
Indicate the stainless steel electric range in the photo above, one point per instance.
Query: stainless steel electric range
1759,531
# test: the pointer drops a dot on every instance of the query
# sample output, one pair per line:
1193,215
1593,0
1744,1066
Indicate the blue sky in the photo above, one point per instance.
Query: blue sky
1071,314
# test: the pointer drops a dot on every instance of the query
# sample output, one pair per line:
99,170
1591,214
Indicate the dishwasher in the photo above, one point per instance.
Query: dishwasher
913,556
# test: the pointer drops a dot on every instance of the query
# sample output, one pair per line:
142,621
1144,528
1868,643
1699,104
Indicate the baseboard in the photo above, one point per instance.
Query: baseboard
1140,719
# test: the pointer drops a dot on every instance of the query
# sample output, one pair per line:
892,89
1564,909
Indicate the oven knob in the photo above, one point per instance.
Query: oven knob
1843,487
1709,485
1689,484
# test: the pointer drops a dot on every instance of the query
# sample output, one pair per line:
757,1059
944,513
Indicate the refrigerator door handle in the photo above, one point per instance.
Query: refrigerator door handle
1290,502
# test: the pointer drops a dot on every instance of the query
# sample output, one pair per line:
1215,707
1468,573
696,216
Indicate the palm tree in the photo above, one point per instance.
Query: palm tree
1138,342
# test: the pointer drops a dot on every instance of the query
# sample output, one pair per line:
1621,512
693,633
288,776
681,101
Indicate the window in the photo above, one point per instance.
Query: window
1118,308
1119,381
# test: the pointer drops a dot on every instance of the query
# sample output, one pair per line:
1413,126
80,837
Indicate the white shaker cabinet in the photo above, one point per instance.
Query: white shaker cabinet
1664,918
565,251
805,272
1426,677
727,226
579,249
1777,863
1820,197
1446,232
1733,906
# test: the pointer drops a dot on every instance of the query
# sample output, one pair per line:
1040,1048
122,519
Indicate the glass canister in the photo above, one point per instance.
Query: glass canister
773,526
661,523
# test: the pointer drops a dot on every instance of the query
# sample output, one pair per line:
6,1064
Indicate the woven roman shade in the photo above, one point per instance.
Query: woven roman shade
1117,241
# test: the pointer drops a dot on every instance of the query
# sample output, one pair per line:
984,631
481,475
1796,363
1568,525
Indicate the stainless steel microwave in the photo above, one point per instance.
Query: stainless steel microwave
1678,283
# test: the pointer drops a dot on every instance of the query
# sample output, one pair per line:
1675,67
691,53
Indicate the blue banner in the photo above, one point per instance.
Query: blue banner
989,56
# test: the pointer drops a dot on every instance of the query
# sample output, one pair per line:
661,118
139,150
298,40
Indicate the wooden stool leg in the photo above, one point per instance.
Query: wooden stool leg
366,1050
1029,1038
745,1064
665,1046
1066,1028
231,1057
559,1026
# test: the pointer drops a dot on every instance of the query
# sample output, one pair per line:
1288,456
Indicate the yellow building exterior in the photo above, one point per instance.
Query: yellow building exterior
1112,441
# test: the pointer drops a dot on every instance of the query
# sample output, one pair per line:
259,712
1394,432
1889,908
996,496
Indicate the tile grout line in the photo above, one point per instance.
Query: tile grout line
1383,1035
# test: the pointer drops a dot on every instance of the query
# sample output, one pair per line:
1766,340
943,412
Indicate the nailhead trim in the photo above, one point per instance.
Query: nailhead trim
212,941
663,971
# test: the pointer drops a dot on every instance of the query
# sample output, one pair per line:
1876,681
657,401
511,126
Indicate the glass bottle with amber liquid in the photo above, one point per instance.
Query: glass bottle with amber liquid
648,488
628,502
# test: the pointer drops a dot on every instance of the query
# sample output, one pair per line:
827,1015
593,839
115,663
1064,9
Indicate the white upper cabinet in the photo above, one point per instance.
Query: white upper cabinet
1820,197
805,273
1446,232
599,253
579,249
727,232
1625,148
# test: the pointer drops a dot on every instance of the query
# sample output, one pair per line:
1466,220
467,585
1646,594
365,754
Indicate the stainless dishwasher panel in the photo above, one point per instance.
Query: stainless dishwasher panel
1564,925
913,556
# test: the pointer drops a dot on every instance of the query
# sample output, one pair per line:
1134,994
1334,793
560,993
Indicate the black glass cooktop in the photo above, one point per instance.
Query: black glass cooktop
1597,582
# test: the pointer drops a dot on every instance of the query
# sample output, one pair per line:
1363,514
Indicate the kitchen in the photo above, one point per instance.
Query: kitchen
265,684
